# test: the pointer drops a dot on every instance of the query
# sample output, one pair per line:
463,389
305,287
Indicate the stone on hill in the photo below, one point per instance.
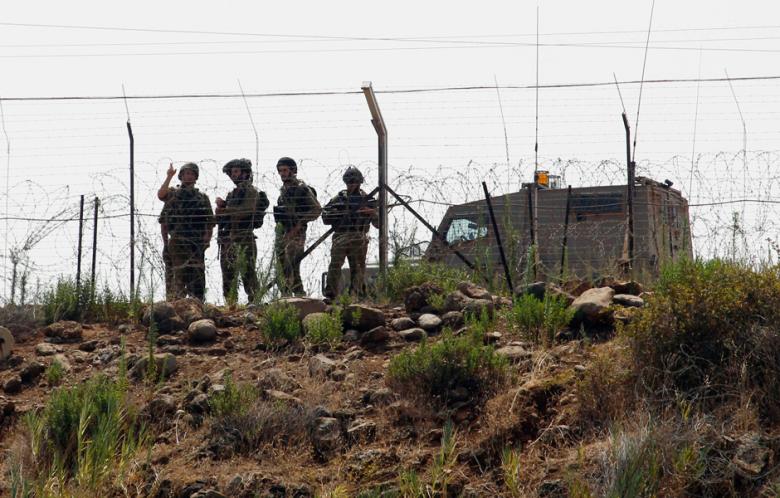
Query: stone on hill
64,331
628,300
201,331
188,309
456,301
413,335
476,307
32,371
474,291
165,317
429,322
402,323
452,319
418,297
45,349
6,343
362,318
321,366
165,366
592,305
630,287
514,353
305,305
375,336
326,436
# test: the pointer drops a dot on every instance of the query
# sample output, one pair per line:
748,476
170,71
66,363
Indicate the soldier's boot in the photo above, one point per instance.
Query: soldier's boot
338,252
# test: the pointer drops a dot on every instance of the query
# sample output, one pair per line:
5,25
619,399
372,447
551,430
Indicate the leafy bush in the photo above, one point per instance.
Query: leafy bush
233,400
280,324
405,274
66,301
83,439
456,368
711,332
540,320
55,373
324,329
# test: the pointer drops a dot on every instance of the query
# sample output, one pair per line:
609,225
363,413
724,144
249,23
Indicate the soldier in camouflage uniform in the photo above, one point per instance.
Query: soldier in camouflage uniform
350,213
237,217
166,256
190,222
296,207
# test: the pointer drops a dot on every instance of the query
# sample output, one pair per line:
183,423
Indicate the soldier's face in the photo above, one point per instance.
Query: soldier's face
284,172
188,177
236,174
353,187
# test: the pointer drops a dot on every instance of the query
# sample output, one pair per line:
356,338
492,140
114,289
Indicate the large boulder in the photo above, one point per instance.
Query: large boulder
32,371
592,306
362,318
456,301
6,343
320,366
376,336
628,300
165,366
630,287
326,437
418,297
165,317
477,307
402,323
201,331
413,335
63,331
429,322
189,309
305,305
474,291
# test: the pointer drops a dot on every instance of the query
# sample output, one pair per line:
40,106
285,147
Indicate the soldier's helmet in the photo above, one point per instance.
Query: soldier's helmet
352,175
189,166
243,163
289,162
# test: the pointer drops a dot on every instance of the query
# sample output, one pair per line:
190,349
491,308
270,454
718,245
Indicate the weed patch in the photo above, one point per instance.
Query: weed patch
280,324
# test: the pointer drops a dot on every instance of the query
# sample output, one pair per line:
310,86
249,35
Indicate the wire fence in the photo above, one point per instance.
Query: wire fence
442,145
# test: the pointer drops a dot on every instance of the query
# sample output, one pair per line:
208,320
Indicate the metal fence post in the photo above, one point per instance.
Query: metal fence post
381,131
81,238
94,242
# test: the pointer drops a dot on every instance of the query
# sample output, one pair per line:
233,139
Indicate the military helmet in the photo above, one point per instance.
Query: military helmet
352,175
243,163
289,162
189,166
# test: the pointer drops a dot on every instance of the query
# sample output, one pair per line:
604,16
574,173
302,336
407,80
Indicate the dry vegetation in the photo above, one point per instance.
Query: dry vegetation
680,399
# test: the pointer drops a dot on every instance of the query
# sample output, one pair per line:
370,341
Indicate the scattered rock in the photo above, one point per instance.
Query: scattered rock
413,335
382,396
196,402
474,291
89,346
80,356
429,322
403,323
326,437
32,371
45,349
628,300
63,361
320,366
12,385
351,335
277,379
6,343
165,366
631,287
555,291
375,336
169,340
207,493
456,301
339,375
452,319
416,298
592,306
160,407
164,316
305,305
361,431
553,489
282,397
492,337
201,331
515,353
477,307
536,289
362,318
64,331
751,456
188,309
125,328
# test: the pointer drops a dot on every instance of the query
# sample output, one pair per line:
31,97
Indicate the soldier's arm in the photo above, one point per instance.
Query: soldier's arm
311,205
164,190
243,209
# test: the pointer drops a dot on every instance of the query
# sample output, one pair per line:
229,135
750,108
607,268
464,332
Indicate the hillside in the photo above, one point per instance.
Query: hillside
587,389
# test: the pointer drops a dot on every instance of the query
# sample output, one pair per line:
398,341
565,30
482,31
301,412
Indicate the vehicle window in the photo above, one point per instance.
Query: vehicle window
464,229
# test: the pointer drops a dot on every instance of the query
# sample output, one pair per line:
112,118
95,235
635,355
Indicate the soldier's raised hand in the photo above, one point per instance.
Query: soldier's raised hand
171,170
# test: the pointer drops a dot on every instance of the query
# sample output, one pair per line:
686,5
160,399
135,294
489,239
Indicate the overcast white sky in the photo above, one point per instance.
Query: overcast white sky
71,148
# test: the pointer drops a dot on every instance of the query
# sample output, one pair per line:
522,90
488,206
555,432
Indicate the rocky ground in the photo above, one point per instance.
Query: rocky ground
357,433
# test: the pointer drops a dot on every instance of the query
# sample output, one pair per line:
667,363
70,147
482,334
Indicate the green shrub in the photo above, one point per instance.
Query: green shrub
539,320
325,329
405,274
55,373
66,301
453,368
235,399
636,463
280,324
711,331
83,439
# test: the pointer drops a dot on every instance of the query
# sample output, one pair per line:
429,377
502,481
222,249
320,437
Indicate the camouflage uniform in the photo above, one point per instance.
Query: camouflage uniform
166,256
243,212
297,206
350,240
190,218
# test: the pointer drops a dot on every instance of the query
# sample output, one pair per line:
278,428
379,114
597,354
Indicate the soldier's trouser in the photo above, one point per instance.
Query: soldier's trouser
239,258
168,265
289,247
189,268
352,246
